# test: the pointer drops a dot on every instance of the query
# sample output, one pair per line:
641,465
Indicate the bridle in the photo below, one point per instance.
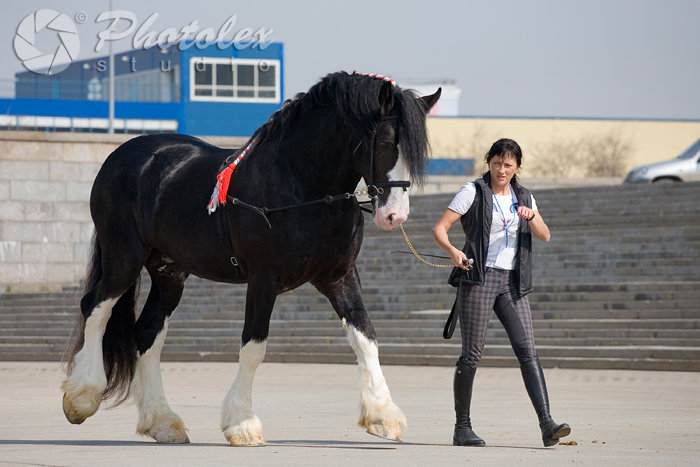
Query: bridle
373,190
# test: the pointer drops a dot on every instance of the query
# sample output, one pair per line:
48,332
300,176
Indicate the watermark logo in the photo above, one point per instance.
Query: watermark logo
66,42
120,24
186,36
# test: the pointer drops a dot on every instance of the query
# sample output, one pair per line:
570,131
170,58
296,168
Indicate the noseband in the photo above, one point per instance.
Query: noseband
374,189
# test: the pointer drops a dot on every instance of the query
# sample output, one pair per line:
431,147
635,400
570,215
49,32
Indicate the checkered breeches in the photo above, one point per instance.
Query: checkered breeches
474,304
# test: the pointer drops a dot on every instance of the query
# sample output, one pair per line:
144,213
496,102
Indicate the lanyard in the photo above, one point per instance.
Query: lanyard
506,225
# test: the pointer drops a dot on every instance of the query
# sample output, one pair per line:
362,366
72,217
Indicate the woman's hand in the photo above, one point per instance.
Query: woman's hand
537,225
526,213
459,259
440,236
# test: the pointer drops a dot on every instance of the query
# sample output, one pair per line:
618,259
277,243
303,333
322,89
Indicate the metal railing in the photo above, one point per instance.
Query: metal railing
24,115
89,125
146,89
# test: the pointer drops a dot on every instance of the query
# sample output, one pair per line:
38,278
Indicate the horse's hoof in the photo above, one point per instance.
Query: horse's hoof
73,414
391,431
168,430
247,441
247,432
171,437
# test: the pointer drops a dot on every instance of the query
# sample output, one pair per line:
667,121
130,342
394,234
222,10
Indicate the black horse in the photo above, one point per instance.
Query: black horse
291,217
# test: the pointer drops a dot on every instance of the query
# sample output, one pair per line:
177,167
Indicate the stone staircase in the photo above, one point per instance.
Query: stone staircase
617,287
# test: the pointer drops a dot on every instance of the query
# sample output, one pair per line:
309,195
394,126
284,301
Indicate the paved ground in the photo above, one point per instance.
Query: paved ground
309,413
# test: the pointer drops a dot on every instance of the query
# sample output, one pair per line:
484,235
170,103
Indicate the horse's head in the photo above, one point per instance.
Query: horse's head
398,154
349,126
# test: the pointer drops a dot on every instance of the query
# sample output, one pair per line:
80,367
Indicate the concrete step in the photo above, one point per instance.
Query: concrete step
617,287
59,342
432,333
388,306
401,318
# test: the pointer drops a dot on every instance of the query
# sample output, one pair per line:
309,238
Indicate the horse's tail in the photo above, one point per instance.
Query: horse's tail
119,349
92,277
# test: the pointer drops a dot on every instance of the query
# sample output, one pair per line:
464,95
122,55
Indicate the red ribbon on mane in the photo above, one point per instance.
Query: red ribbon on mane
223,180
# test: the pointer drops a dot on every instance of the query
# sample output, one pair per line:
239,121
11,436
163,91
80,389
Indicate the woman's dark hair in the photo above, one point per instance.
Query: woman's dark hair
502,147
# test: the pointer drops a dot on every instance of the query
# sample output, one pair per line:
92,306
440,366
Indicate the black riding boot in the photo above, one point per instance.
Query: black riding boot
537,390
463,382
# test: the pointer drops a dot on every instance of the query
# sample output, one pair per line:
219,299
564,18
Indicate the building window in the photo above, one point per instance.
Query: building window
234,80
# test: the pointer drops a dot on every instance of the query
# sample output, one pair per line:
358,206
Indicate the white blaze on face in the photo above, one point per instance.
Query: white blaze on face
395,211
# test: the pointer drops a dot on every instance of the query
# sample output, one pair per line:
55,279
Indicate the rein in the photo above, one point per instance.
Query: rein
263,211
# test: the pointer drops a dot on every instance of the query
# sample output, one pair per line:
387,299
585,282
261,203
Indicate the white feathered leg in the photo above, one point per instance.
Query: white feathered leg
84,386
156,419
378,413
238,422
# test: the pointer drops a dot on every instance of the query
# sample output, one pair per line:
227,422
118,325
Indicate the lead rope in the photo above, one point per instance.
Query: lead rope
415,253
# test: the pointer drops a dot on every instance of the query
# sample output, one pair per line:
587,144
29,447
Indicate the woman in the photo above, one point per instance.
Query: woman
499,217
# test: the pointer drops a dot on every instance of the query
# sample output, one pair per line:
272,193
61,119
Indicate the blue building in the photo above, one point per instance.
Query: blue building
216,90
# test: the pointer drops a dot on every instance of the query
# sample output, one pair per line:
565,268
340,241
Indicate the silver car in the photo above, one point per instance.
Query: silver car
684,168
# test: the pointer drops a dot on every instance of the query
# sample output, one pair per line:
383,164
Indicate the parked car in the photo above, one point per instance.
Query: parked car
684,168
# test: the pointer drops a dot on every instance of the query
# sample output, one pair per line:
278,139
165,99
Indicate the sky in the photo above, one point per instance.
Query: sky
627,59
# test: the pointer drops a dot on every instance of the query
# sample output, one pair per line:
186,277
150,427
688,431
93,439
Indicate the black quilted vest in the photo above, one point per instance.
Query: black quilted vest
477,224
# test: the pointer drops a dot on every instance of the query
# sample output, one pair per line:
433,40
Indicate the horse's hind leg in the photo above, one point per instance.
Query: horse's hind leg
238,421
378,413
107,295
82,390
156,419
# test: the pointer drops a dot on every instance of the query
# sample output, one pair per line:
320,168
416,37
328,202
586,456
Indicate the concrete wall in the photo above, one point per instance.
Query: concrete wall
45,224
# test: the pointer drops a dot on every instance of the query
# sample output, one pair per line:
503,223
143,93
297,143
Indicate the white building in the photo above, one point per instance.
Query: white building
447,105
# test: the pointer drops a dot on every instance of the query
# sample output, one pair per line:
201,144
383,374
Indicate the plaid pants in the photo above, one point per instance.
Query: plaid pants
474,304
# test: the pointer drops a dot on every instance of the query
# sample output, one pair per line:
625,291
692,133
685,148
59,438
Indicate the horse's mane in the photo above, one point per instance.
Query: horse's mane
355,97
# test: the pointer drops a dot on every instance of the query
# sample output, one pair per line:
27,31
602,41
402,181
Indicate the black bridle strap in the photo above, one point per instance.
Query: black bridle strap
373,190
394,184
255,209
367,210
263,211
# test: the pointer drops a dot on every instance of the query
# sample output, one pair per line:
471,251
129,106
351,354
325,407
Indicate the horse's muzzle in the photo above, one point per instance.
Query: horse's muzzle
393,213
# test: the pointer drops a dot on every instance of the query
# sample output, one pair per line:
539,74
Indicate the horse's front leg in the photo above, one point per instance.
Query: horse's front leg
156,419
378,413
238,421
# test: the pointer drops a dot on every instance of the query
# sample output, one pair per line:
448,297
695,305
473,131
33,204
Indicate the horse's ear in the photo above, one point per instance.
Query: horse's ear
386,98
429,101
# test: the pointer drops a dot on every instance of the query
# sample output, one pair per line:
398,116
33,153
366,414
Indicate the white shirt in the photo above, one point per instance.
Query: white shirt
503,242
